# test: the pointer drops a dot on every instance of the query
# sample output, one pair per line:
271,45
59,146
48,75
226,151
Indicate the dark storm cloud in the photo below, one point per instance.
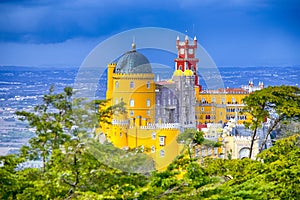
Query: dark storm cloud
37,21
240,31
47,22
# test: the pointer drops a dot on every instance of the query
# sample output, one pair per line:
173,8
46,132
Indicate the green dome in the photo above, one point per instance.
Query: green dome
133,62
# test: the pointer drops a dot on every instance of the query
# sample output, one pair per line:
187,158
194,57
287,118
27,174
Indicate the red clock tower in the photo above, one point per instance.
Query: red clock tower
186,56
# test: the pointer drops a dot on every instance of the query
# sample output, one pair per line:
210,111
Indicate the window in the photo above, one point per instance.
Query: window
131,113
158,102
148,85
191,51
233,100
148,112
131,84
212,109
162,153
131,103
197,152
203,153
202,109
216,151
117,84
162,140
153,136
116,101
152,149
209,151
220,113
148,102
214,100
181,51
203,100
223,100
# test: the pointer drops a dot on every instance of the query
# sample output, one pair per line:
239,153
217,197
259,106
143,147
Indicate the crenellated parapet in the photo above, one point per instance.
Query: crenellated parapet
168,126
120,122
158,126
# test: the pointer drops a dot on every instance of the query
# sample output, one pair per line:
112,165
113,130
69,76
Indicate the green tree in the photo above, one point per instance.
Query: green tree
282,101
75,165
189,138
275,175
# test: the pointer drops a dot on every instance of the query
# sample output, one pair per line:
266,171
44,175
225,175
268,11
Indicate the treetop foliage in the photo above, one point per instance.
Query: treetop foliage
76,166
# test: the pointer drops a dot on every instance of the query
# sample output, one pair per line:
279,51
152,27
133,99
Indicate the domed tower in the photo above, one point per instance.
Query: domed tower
132,82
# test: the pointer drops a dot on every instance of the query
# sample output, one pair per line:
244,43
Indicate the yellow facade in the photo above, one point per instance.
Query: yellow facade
137,127
220,107
131,81
138,93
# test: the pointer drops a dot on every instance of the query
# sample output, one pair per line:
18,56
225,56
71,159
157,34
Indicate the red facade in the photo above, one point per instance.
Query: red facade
186,57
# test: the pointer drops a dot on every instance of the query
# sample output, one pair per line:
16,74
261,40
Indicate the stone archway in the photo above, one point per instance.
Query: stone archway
244,152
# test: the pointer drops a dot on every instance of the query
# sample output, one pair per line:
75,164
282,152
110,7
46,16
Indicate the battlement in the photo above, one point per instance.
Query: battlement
226,91
242,138
120,122
159,126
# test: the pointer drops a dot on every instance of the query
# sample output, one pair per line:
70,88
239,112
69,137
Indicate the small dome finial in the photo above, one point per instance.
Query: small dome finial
133,45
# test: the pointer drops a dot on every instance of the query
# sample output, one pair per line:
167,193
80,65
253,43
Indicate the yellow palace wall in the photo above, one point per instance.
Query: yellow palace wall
220,107
138,93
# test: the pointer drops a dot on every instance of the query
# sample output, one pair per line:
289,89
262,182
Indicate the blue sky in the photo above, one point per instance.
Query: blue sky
234,32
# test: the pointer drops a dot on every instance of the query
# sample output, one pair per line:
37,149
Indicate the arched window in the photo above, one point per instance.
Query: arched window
148,85
131,103
153,136
162,153
223,100
233,100
131,113
148,102
152,149
117,84
131,84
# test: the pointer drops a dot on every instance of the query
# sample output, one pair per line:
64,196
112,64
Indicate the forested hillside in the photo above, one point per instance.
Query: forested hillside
76,166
